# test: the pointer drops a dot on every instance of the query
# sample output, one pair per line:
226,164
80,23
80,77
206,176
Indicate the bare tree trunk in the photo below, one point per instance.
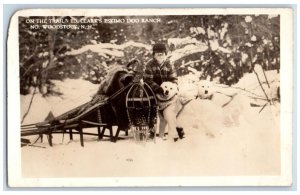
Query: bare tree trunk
45,68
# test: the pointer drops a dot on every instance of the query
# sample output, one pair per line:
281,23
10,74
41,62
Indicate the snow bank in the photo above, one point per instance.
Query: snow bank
110,49
187,50
38,110
249,82
75,92
233,102
179,42
188,45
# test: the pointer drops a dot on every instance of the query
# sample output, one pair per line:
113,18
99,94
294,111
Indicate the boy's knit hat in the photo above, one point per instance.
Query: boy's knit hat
159,48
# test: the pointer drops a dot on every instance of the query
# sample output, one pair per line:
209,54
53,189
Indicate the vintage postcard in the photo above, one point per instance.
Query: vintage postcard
150,97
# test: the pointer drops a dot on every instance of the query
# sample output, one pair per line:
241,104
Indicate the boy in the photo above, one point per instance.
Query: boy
157,71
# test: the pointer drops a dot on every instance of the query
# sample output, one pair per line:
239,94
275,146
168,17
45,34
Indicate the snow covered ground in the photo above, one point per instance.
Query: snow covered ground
234,140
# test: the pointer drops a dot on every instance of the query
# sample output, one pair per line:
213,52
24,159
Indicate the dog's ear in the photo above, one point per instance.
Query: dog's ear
198,83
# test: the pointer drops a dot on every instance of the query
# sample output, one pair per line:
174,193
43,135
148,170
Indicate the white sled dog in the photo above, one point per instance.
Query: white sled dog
205,89
169,106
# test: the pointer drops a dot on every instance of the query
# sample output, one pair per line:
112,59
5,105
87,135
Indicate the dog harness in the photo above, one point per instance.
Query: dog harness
163,103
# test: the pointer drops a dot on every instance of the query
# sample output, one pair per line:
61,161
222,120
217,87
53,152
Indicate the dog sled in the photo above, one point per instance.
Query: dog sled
131,107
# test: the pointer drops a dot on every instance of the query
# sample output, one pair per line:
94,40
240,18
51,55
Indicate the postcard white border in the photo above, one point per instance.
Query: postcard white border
286,81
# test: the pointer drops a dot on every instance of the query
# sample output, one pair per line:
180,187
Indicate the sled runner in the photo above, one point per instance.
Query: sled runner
131,107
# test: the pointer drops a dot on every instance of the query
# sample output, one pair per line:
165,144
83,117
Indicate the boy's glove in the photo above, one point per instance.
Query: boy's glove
159,90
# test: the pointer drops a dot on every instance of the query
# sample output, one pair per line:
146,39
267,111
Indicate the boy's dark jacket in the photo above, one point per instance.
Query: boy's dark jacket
155,74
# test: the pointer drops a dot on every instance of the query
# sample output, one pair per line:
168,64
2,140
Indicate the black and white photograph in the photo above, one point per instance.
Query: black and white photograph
164,97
